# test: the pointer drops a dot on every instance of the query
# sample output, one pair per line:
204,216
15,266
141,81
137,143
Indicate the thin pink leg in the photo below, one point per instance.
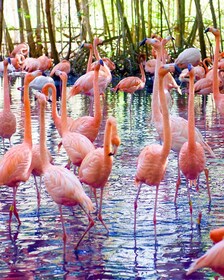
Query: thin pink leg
178,182
13,208
155,205
91,224
100,210
136,206
207,183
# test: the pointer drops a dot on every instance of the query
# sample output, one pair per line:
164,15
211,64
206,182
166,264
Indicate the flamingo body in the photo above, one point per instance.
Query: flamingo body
188,56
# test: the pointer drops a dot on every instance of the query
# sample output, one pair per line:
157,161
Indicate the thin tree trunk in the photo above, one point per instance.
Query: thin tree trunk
29,30
200,28
38,29
69,31
1,21
54,51
9,43
21,22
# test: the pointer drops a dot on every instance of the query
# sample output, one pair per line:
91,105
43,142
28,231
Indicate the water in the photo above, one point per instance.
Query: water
35,249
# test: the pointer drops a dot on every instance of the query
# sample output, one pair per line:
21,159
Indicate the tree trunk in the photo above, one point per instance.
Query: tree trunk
200,29
180,28
54,52
1,21
29,30
9,43
21,22
38,30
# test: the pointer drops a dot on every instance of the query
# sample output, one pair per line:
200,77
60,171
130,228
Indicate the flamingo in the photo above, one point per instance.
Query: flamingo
45,63
188,56
152,161
61,184
96,167
21,49
75,144
84,84
39,82
15,164
179,126
213,258
63,66
132,83
30,64
218,98
7,117
86,125
192,155
90,59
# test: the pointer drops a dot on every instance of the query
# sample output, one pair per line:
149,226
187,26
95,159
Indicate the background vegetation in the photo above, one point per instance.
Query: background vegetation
58,27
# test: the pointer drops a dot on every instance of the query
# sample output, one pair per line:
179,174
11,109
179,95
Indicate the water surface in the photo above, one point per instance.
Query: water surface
35,249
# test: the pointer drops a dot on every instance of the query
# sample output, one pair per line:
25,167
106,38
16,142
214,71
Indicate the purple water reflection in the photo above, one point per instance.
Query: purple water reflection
35,250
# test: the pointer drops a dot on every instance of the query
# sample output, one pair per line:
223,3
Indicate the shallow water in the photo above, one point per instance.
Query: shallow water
35,249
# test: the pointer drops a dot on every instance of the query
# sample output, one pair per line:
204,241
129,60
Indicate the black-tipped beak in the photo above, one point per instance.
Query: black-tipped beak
142,42
189,67
9,60
206,30
82,45
101,62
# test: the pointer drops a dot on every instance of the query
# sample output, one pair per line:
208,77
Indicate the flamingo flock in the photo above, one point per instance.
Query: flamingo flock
93,165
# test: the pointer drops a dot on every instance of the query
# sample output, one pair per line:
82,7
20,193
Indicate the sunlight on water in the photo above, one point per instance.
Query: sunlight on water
35,249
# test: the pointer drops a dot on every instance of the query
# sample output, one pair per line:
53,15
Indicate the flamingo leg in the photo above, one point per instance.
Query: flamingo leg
136,206
207,183
178,182
100,210
37,190
91,224
155,205
13,208
63,225
189,198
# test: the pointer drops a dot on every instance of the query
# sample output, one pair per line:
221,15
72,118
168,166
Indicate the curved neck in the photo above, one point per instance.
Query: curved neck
143,78
64,127
96,52
215,67
26,100
191,118
156,113
6,88
107,139
166,120
54,111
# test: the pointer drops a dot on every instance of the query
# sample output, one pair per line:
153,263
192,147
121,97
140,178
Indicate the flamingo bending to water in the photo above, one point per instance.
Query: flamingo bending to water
61,184
15,164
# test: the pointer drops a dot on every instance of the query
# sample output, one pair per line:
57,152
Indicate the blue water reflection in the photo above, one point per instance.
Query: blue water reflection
35,249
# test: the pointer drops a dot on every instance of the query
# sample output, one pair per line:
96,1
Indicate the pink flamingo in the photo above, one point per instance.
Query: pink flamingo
7,117
75,144
63,66
45,63
152,161
218,98
15,164
61,184
192,155
188,56
96,167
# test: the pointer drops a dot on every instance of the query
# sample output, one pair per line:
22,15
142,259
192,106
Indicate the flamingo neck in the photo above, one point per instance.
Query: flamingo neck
97,106
143,77
27,120
54,111
64,127
107,139
43,146
215,67
6,89
156,113
96,52
166,120
90,59
191,118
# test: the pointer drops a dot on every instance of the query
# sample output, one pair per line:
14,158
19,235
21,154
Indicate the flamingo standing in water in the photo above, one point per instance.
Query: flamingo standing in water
179,126
218,98
192,155
61,184
15,164
152,161
75,144
7,117
96,167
